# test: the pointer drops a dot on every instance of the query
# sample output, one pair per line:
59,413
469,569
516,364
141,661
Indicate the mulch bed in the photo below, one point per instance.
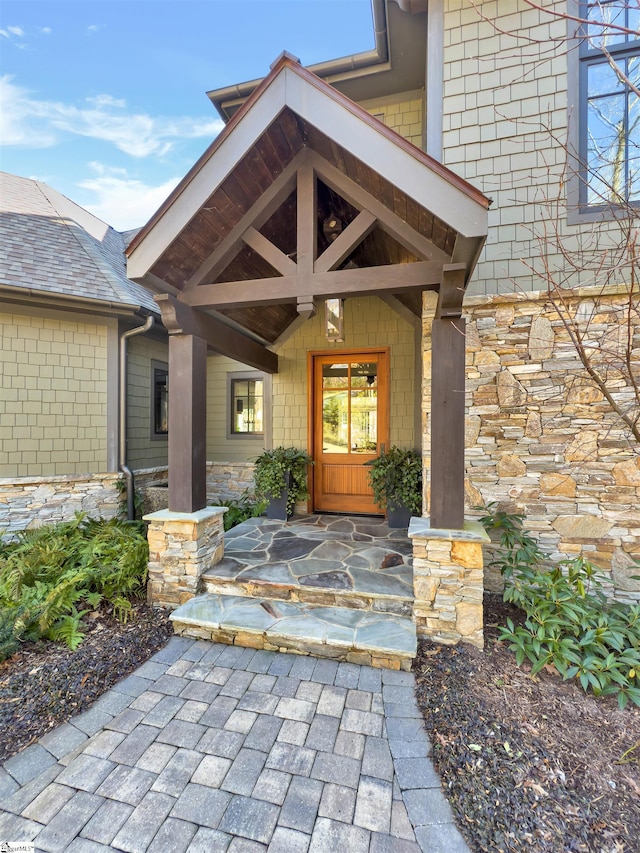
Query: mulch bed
528,764
44,684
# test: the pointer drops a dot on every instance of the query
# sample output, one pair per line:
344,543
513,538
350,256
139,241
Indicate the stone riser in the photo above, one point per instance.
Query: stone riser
251,640
355,636
350,599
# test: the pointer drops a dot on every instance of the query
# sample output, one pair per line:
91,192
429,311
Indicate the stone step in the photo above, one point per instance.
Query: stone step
357,636
359,589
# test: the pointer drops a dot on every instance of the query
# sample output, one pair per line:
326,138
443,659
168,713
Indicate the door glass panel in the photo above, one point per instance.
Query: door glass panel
364,421
335,375
335,421
364,375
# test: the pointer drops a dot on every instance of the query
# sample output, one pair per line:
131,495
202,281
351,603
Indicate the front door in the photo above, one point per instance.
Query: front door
350,425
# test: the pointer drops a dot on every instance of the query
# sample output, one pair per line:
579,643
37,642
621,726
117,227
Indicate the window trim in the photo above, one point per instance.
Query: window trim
153,366
266,405
579,211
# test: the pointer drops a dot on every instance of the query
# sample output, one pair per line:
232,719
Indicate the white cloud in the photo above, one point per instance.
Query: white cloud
122,201
46,31
40,124
4,34
93,28
16,31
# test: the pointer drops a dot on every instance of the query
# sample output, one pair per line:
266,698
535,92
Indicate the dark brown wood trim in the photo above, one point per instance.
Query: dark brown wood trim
351,237
451,293
392,278
387,219
188,423
267,250
307,222
447,423
179,318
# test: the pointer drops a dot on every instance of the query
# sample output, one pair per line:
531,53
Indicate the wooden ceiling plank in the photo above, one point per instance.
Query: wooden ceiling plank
391,278
256,216
265,248
387,219
351,237
179,318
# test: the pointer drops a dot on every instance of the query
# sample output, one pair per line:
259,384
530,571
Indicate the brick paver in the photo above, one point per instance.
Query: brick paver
210,747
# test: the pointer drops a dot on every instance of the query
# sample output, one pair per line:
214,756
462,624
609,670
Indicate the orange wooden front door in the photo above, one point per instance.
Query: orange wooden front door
350,425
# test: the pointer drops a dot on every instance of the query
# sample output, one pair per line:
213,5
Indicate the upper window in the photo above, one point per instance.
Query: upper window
609,104
247,406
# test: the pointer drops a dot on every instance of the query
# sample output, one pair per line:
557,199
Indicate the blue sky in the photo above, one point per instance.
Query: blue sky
105,99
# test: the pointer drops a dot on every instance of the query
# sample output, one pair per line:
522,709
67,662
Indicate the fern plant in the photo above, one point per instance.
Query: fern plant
47,572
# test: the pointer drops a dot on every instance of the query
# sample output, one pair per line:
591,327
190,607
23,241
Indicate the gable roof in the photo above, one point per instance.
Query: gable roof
51,245
293,91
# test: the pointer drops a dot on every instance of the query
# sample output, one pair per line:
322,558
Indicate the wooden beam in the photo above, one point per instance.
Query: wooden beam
351,237
451,293
188,423
271,253
307,220
392,278
256,216
180,319
447,423
387,219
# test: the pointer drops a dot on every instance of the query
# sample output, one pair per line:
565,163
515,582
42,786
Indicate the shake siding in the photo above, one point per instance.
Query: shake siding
53,396
499,96
143,451
404,113
219,446
368,322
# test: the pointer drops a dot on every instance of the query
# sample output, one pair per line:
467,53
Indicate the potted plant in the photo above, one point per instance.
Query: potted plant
281,479
396,480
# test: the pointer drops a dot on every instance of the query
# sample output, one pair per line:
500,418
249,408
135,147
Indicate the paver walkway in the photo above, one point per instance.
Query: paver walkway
213,748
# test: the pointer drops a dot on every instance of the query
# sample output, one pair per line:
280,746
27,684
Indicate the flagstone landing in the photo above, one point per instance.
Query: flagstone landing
333,586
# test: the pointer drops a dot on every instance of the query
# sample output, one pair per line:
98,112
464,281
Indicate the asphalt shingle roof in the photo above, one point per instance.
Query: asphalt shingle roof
49,243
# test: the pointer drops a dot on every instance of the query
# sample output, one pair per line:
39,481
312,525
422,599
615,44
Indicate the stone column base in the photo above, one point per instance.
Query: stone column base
448,581
182,546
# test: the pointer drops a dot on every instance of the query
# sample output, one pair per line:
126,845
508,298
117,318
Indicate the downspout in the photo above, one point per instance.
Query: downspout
122,438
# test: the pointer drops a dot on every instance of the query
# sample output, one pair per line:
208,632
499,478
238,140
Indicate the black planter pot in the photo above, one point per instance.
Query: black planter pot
277,507
398,515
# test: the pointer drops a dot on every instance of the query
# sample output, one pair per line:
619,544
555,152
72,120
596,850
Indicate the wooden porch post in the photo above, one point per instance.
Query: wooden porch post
448,403
187,423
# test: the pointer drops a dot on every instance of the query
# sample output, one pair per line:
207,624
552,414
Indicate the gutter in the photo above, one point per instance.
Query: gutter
122,438
330,69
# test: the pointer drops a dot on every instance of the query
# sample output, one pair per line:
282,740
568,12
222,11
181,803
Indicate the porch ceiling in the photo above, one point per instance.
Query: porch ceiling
241,239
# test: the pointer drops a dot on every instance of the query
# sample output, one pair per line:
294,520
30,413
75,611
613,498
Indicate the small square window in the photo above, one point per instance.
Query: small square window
160,400
247,406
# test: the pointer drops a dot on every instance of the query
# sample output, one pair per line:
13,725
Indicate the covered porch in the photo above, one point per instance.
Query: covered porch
305,197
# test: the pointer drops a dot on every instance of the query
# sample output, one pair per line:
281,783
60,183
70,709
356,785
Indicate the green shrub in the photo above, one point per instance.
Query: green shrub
46,572
569,623
396,478
245,507
280,467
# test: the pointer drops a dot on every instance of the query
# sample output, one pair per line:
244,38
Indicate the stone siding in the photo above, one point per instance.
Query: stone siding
541,440
34,501
182,546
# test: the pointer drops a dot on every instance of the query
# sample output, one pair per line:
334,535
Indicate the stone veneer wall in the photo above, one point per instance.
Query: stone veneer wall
541,439
34,501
